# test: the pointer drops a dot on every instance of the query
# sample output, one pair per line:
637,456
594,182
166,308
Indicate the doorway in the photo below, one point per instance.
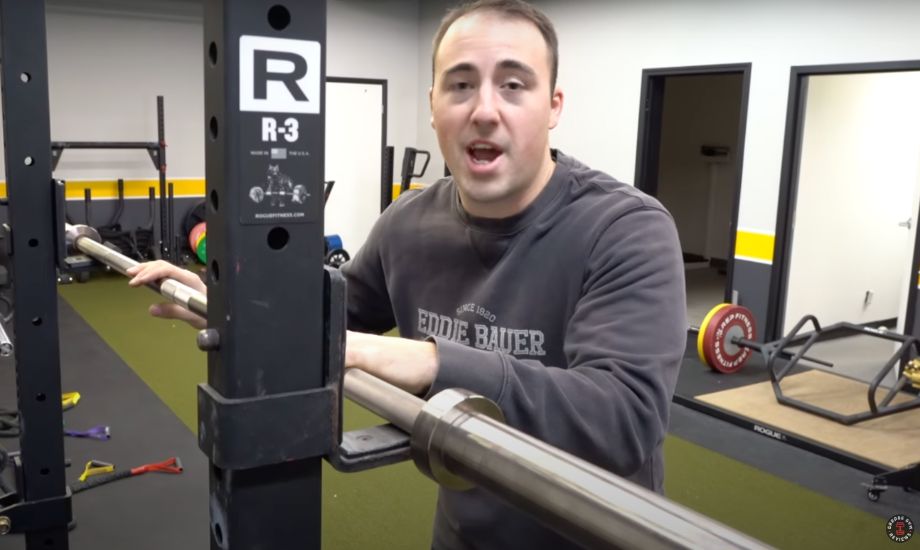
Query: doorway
849,201
356,129
689,156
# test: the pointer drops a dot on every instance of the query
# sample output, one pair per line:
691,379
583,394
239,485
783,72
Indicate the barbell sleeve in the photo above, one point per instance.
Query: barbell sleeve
589,505
460,439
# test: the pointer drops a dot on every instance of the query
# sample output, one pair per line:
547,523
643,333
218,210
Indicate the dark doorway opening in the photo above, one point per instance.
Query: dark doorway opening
689,156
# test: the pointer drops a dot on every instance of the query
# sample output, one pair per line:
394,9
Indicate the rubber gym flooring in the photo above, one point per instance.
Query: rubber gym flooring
139,375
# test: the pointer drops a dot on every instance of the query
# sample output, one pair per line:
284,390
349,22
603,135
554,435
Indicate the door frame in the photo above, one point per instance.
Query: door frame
788,189
648,146
386,186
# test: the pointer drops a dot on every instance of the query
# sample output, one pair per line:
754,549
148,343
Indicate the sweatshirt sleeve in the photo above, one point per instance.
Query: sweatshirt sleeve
368,300
623,344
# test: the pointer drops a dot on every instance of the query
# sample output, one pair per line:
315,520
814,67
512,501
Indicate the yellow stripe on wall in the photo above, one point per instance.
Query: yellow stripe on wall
397,188
108,189
757,247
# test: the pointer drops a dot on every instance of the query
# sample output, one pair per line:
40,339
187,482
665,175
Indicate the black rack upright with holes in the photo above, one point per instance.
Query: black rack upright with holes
265,272
43,509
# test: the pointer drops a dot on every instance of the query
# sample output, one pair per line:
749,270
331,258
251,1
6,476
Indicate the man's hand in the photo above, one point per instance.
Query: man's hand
409,364
151,272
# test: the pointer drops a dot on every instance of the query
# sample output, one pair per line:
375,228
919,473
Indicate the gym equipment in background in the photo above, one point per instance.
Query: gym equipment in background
726,338
96,473
136,243
334,251
197,240
410,159
157,152
725,341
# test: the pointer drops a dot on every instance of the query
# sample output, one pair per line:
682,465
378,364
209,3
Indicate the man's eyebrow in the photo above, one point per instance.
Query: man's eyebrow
507,64
515,65
460,68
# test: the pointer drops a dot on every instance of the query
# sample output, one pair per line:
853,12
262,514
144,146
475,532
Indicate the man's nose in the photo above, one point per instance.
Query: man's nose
485,111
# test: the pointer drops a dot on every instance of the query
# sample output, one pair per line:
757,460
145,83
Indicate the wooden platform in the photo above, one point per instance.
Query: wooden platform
892,440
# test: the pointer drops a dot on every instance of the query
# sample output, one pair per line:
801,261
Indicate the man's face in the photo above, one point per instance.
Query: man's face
492,110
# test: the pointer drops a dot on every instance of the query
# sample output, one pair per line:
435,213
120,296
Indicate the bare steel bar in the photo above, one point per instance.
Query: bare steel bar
399,407
86,240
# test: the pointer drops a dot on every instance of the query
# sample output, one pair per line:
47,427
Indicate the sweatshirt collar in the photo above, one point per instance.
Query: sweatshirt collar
517,222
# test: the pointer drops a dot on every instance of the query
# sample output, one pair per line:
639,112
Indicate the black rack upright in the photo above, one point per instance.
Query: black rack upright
264,150
43,511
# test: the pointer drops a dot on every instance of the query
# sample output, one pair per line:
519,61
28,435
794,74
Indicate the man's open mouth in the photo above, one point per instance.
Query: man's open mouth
483,153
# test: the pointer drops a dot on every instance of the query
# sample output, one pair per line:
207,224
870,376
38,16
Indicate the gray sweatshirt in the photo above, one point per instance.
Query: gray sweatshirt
571,316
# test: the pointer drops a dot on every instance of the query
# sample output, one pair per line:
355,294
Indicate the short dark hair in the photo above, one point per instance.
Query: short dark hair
516,9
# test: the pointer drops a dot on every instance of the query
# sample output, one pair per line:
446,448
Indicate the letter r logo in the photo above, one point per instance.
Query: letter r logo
279,75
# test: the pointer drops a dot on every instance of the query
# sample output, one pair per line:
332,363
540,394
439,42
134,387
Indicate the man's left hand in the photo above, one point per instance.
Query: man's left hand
408,364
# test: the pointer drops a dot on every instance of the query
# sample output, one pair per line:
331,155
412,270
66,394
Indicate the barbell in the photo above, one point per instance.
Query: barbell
726,339
459,439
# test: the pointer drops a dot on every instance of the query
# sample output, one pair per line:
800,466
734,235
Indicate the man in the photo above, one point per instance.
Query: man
526,277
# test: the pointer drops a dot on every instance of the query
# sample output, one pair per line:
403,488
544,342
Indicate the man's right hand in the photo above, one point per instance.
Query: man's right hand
152,272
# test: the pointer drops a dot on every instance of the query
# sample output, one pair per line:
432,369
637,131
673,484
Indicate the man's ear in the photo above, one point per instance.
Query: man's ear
431,106
555,102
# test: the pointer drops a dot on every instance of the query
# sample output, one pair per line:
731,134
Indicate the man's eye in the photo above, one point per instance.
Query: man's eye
460,86
513,85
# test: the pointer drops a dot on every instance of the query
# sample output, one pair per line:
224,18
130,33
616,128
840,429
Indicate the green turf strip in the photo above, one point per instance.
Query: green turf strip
766,507
390,507
393,507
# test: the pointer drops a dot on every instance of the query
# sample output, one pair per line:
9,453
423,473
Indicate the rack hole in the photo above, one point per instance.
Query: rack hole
278,238
28,161
37,321
25,77
218,534
279,17
212,125
215,200
33,243
212,53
